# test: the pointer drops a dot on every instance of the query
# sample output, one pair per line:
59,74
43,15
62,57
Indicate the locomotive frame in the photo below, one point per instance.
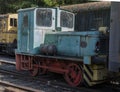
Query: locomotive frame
39,45
73,69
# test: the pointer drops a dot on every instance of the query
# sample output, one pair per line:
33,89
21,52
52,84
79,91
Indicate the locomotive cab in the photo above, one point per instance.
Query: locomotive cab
35,22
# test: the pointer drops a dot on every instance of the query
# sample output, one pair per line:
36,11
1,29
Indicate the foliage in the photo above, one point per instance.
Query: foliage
11,6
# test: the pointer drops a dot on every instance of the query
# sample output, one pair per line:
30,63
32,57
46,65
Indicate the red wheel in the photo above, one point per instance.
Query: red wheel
42,71
35,69
74,74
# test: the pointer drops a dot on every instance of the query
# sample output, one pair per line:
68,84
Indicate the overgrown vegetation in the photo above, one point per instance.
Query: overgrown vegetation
11,6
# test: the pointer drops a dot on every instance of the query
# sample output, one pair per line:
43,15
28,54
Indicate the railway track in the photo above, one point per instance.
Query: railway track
55,84
46,83
17,88
60,87
7,60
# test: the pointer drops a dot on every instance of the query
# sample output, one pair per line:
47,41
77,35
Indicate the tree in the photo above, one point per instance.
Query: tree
11,6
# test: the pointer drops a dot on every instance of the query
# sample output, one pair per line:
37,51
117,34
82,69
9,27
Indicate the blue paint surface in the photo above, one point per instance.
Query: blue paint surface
69,43
25,31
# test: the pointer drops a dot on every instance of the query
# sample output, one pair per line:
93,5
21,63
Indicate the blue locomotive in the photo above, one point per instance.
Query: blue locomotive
47,42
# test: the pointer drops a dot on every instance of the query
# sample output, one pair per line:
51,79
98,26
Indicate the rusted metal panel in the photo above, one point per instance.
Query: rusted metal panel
114,46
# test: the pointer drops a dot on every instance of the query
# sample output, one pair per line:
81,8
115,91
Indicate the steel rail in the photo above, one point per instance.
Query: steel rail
7,62
53,84
8,84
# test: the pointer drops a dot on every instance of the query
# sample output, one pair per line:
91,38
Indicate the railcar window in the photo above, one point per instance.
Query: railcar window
1,24
25,20
13,22
66,19
4,23
44,17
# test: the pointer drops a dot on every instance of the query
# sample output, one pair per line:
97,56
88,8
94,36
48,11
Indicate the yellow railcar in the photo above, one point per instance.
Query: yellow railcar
8,33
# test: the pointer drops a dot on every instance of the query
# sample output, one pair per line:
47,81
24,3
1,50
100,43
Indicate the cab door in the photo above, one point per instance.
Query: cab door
25,31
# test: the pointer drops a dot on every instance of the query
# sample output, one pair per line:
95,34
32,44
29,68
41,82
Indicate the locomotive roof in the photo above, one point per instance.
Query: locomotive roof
87,6
27,9
34,8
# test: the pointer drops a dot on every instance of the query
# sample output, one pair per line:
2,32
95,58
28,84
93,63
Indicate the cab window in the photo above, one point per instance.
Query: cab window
44,17
66,19
25,20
